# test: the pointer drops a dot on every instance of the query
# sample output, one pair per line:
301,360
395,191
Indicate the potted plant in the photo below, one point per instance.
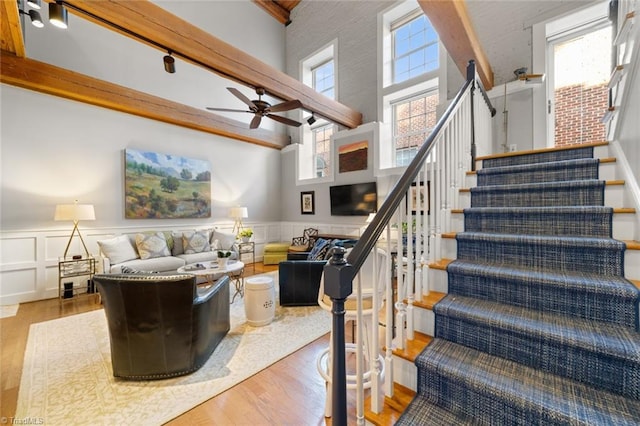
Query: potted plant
245,235
223,258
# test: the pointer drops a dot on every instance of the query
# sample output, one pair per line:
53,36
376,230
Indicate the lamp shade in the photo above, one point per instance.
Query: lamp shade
238,212
75,212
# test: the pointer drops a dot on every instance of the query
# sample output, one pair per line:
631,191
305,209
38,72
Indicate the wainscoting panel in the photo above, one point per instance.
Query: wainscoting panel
18,250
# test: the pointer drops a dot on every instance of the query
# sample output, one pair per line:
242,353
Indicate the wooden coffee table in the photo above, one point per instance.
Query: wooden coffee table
211,272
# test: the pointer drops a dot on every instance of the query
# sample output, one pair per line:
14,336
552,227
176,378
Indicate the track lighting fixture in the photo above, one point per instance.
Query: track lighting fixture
169,63
36,19
36,4
58,15
311,119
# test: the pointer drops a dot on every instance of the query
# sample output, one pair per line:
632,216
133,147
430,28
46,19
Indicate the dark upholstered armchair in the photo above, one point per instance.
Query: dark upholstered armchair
162,326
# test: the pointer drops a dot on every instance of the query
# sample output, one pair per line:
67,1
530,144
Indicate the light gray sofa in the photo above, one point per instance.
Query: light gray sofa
129,250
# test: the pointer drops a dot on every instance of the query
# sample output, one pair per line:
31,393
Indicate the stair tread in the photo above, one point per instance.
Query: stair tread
610,339
413,346
526,387
392,408
632,245
602,161
619,210
542,150
440,264
542,185
428,301
612,284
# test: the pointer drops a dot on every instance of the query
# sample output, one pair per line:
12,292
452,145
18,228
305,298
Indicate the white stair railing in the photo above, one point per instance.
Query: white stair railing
422,200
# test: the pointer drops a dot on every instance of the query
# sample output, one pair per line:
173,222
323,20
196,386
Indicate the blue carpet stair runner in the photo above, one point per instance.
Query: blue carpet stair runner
540,327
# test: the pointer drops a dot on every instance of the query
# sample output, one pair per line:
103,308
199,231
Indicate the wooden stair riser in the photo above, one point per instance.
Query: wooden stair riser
405,372
607,171
614,196
624,224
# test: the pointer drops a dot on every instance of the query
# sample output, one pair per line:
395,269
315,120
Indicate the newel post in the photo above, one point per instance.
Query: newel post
338,285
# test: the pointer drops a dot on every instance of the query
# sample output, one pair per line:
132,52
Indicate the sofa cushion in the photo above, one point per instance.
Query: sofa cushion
196,242
202,257
156,264
152,244
118,249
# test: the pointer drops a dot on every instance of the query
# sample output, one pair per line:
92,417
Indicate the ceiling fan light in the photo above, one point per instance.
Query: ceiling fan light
36,19
36,4
58,15
169,64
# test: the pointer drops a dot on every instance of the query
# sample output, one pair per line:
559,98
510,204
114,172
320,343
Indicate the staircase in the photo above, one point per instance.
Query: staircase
538,318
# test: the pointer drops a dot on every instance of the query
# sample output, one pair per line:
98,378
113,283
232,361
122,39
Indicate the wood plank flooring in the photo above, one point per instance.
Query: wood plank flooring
290,392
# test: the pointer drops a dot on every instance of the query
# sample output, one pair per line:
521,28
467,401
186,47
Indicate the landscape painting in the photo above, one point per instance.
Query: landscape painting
163,186
353,157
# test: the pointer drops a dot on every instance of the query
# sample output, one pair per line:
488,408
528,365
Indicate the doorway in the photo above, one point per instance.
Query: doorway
579,66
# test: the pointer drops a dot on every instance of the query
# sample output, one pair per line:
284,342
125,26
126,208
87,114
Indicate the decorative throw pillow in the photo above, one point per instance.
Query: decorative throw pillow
118,249
196,242
222,240
319,249
152,244
178,246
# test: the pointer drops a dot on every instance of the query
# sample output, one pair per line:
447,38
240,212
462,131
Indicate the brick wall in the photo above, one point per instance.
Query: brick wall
579,110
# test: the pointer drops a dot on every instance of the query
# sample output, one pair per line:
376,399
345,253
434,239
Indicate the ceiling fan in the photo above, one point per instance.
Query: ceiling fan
260,108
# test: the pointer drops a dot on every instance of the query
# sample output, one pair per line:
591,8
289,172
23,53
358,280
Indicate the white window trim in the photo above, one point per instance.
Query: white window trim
305,164
389,92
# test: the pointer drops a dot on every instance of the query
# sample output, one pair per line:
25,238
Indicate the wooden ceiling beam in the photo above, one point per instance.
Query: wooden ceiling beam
451,20
10,29
52,80
274,9
166,31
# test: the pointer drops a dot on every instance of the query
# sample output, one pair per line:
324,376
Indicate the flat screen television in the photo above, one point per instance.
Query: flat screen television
358,199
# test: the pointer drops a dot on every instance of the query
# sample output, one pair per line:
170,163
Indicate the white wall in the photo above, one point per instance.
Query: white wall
54,151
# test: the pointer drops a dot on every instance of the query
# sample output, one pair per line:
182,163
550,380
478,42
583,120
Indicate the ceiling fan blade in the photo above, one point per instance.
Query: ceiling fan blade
286,106
238,94
284,120
255,122
226,109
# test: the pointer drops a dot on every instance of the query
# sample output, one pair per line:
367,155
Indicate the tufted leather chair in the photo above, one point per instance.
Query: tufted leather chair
162,326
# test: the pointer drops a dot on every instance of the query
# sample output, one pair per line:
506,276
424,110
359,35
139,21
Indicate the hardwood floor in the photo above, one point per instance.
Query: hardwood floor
290,392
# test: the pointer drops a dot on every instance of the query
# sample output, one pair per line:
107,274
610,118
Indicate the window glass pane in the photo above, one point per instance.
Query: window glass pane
415,49
413,120
324,79
322,145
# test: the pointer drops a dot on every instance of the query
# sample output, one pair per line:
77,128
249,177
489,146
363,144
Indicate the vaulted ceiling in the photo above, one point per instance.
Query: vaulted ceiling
157,27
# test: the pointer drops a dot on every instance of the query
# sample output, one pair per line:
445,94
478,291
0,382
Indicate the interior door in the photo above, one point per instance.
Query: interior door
579,66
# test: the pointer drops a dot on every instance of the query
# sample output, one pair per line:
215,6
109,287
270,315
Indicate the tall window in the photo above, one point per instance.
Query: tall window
413,120
324,79
415,47
322,149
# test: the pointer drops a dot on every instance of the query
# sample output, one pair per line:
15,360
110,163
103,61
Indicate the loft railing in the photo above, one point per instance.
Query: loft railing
437,171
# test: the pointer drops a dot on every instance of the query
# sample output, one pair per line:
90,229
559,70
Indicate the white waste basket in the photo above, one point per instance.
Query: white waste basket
259,300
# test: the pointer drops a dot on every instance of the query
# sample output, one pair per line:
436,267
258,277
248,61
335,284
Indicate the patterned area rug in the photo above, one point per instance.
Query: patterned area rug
67,376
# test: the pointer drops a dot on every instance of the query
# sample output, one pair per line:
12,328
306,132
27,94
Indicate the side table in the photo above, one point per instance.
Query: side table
69,271
248,248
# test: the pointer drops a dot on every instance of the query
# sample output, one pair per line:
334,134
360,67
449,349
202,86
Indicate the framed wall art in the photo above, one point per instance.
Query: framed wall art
353,156
307,202
163,186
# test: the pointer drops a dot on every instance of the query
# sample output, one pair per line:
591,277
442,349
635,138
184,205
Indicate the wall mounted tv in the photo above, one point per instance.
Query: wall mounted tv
358,199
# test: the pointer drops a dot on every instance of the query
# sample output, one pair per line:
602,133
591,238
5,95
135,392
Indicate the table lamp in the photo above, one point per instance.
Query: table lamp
237,214
75,213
